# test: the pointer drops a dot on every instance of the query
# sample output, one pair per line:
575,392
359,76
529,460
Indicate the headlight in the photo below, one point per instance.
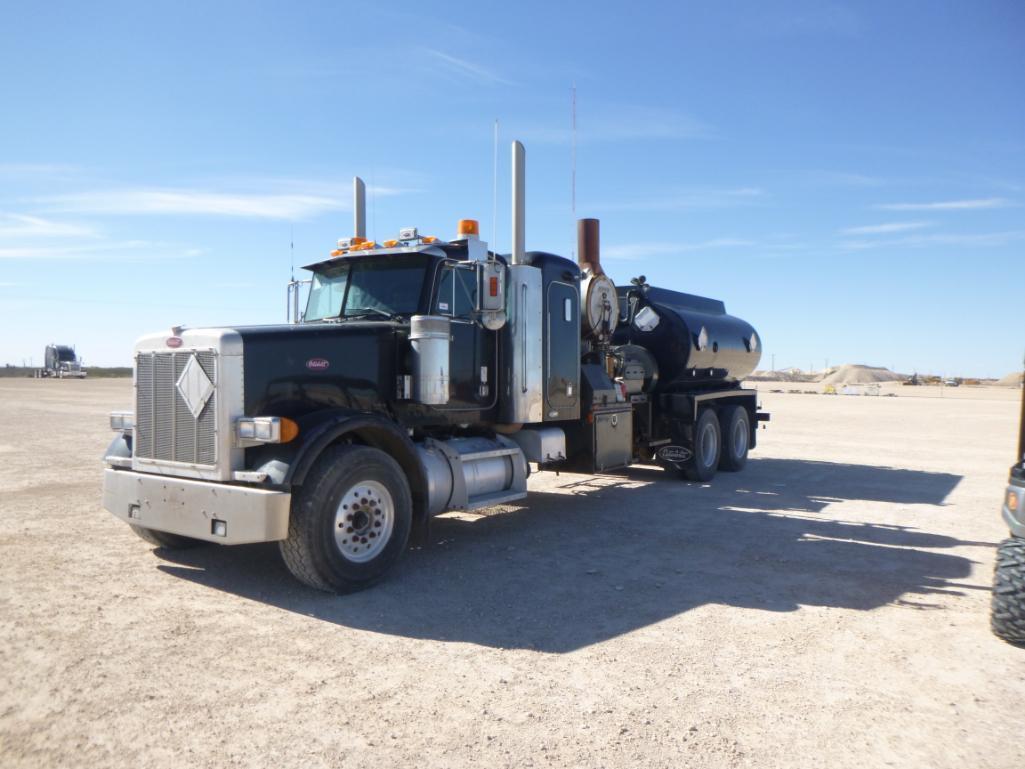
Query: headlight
266,429
122,420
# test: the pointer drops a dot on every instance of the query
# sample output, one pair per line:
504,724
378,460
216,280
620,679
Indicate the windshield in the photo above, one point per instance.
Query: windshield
367,287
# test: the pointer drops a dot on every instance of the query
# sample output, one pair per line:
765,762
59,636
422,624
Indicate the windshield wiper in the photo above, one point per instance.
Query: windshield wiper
362,312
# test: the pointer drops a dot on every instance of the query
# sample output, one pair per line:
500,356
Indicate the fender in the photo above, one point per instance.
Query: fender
321,429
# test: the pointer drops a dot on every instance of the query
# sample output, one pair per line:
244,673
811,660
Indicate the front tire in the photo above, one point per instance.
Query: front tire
707,448
1007,615
736,438
350,521
164,539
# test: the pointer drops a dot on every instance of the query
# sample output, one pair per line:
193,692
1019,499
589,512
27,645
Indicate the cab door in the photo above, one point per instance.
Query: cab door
472,351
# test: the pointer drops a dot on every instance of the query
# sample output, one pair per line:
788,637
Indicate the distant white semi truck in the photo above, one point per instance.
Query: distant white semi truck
62,362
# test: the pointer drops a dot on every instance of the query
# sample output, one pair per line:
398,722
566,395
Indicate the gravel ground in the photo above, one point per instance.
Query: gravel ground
826,607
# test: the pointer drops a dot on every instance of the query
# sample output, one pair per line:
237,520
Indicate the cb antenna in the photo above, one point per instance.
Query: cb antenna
573,163
291,251
573,172
494,193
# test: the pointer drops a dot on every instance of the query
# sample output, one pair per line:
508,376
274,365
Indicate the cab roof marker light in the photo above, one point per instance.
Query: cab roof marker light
467,228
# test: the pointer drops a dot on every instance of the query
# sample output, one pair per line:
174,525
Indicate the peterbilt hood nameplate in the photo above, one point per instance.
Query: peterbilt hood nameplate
318,364
173,341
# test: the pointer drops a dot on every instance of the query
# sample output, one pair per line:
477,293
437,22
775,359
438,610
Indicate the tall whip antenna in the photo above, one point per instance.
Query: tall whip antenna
291,249
494,193
573,171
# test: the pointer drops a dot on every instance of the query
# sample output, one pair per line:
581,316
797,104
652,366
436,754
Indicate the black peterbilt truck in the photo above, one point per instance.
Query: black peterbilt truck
424,376
1007,614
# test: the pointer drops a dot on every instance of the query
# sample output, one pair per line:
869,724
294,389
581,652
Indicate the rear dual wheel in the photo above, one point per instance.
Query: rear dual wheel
736,430
721,442
350,520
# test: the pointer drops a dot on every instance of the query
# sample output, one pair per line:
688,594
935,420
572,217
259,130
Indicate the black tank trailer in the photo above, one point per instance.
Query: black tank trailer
424,376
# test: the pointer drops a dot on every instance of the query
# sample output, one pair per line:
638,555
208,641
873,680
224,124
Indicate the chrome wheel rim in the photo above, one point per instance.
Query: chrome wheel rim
364,521
739,439
709,445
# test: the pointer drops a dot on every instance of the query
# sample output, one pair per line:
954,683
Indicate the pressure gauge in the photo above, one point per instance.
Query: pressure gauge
600,306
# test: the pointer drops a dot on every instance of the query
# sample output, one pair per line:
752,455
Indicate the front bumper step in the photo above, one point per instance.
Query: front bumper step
214,512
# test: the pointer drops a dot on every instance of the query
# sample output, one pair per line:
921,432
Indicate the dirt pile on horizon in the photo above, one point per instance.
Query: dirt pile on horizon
856,374
786,375
1011,380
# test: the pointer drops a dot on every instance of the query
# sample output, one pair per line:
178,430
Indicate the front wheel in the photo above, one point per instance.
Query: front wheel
707,448
350,521
1007,616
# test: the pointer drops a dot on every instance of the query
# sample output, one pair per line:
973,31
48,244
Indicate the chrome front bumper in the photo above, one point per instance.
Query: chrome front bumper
197,509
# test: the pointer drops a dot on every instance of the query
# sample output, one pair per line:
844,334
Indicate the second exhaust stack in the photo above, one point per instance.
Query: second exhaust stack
589,246
359,208
519,182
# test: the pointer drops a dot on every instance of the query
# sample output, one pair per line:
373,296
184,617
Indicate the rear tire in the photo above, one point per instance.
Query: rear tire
707,448
736,438
1007,615
350,520
165,539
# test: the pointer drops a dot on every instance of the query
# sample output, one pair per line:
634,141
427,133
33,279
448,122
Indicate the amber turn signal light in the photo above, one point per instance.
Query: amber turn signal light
289,430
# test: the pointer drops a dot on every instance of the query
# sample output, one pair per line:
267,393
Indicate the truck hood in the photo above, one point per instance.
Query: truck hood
291,370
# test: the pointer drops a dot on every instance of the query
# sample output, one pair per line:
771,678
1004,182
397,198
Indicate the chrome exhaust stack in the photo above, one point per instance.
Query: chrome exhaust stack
359,208
519,198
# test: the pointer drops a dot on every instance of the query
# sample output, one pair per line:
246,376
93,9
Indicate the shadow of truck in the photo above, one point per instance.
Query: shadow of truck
605,555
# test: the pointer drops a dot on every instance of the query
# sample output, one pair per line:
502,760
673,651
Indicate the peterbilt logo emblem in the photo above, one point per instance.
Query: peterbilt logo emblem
173,341
317,364
675,454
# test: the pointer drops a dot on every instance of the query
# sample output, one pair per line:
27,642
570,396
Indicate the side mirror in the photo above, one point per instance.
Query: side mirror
491,294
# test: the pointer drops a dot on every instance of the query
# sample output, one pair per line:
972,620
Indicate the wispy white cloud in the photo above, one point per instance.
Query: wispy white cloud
466,70
20,226
681,200
29,237
883,229
973,240
197,202
947,205
289,201
36,169
124,250
634,251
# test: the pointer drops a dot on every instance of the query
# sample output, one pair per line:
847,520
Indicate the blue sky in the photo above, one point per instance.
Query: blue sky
850,178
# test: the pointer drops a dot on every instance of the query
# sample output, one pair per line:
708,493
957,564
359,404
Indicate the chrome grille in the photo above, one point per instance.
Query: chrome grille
165,429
